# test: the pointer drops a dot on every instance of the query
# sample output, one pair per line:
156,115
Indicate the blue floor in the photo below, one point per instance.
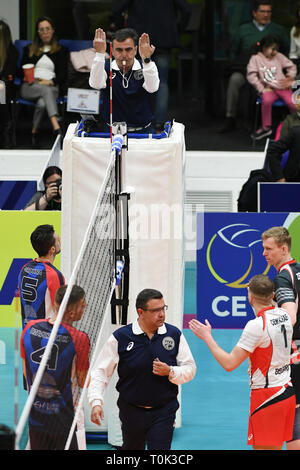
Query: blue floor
214,405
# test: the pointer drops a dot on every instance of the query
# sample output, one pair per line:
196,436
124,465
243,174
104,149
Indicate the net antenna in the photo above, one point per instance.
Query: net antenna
100,270
120,298
110,91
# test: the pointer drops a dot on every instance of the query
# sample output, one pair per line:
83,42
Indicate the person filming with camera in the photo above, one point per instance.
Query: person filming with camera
50,198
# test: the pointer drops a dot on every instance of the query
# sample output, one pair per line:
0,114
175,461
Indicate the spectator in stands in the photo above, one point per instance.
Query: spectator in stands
294,54
50,61
133,83
8,70
248,35
53,410
50,198
293,119
272,75
275,151
163,21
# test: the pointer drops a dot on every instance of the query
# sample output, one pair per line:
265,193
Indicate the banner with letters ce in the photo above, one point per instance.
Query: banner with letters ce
229,253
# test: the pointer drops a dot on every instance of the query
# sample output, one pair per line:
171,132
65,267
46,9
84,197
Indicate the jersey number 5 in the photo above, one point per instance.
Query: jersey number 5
29,288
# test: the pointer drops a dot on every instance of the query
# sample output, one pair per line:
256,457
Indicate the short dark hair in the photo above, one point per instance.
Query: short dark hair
145,295
261,286
122,34
42,239
77,293
51,170
256,4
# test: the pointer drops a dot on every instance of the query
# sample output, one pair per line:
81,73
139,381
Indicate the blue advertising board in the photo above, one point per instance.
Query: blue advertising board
229,253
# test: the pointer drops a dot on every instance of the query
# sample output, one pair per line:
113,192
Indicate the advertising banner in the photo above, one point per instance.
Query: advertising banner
15,251
229,253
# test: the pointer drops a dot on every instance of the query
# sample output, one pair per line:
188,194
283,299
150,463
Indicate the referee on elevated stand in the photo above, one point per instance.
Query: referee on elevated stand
133,81
153,358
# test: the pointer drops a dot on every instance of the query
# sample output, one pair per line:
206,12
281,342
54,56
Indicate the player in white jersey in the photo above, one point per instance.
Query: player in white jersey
266,342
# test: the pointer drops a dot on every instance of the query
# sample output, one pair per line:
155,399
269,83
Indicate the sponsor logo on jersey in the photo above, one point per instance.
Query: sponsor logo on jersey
168,343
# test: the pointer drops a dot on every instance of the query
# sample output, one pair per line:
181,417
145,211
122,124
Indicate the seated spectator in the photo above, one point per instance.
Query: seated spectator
294,54
8,69
50,198
247,35
275,151
272,75
293,119
50,61
133,82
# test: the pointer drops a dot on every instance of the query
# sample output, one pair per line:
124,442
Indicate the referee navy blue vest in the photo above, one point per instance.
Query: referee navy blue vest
132,105
137,384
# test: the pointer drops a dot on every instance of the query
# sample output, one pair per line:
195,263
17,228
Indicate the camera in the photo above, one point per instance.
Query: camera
58,184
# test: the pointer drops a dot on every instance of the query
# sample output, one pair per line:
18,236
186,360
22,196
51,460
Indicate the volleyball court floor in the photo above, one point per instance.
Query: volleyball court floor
214,405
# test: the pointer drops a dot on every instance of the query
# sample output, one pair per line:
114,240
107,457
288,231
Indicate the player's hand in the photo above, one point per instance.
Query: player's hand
199,329
97,415
160,368
99,42
145,48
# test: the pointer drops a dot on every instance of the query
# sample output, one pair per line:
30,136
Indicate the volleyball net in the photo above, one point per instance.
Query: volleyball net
60,358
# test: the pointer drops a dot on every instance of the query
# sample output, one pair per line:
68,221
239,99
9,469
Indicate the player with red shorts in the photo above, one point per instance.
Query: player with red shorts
266,342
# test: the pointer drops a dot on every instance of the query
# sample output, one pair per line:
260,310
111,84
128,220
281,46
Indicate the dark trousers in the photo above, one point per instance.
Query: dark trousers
153,427
50,441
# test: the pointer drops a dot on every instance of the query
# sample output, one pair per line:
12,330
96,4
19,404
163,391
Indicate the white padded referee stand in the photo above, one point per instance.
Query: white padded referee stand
154,172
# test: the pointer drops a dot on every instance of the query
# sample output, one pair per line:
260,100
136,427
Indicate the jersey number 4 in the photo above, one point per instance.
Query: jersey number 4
37,355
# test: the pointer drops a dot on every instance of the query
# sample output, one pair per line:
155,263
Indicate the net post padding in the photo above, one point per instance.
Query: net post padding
82,263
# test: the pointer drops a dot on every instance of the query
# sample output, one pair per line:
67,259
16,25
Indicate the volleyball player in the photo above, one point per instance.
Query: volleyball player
52,413
39,279
266,341
277,251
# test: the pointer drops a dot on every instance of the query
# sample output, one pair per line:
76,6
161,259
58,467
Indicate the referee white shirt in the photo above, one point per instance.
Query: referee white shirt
182,372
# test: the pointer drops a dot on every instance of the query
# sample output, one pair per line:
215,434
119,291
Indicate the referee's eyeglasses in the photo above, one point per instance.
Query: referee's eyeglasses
156,310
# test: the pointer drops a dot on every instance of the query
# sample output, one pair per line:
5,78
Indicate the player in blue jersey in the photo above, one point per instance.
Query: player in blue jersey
53,408
152,358
39,279
133,82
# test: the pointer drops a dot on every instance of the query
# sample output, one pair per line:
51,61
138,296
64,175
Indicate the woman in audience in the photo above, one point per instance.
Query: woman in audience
8,69
50,60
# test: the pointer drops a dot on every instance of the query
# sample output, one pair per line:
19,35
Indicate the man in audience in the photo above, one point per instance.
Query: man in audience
290,171
248,35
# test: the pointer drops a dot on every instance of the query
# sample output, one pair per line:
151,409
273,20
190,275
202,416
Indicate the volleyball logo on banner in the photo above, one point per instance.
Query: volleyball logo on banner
229,254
